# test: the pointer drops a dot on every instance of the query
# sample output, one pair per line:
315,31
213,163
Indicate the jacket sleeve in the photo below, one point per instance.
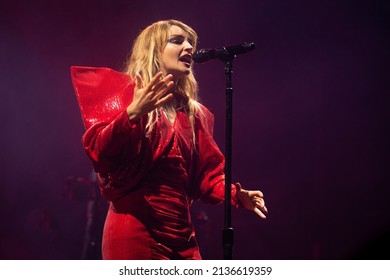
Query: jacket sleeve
116,152
209,163
106,143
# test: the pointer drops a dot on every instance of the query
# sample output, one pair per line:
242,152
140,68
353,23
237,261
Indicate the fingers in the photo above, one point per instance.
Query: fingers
150,96
139,83
164,99
260,214
260,204
259,201
260,208
252,200
162,87
158,85
153,81
263,209
258,194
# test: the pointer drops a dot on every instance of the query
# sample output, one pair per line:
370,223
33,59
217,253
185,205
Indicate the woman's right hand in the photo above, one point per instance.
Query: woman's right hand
149,97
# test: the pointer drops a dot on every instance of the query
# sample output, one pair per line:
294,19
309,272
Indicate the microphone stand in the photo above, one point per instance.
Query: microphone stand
226,55
228,232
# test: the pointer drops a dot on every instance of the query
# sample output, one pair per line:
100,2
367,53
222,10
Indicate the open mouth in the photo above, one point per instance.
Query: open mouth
186,59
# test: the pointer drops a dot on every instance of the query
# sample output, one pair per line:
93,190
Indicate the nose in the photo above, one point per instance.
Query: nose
188,47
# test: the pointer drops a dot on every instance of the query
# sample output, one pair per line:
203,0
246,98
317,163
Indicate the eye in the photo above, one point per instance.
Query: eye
176,40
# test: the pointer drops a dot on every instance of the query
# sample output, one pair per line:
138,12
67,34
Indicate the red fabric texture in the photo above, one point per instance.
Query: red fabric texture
102,93
149,180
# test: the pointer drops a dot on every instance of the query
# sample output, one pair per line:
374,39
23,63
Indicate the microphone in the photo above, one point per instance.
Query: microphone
224,53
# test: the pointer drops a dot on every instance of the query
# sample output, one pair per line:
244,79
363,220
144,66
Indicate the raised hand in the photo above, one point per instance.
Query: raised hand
149,97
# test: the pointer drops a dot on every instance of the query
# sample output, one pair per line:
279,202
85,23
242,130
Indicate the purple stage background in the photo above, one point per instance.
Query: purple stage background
311,112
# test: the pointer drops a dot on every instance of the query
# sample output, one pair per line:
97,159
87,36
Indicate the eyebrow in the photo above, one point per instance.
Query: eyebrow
177,35
189,38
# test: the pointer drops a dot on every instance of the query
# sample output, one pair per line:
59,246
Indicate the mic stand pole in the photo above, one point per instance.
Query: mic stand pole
227,238
227,57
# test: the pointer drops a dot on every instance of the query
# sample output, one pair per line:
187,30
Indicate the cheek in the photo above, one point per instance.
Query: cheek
170,53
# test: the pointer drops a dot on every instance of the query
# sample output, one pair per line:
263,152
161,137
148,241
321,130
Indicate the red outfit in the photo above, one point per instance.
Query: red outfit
149,180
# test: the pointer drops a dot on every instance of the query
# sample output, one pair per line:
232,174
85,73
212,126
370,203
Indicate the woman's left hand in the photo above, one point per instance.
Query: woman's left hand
252,200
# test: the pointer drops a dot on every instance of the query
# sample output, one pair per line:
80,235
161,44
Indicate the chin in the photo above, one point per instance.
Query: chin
187,71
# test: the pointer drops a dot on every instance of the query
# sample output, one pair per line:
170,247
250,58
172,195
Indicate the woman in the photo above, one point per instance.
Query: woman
157,154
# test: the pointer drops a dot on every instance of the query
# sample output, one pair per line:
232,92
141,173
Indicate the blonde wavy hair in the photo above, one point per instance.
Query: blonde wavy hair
145,61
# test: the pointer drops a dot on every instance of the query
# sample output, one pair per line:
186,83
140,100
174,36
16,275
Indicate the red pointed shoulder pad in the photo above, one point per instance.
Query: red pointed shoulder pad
102,93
